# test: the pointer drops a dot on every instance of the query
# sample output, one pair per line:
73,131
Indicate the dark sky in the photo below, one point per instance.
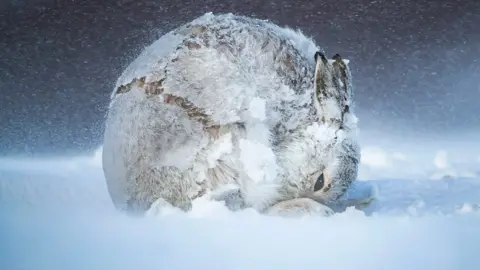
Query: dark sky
415,62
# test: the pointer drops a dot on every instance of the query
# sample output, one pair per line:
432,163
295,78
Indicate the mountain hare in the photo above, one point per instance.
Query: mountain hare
237,109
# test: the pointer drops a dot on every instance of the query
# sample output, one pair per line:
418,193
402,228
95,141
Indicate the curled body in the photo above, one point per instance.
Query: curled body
235,108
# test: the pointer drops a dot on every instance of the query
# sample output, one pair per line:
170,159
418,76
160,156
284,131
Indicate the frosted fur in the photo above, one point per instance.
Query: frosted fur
228,101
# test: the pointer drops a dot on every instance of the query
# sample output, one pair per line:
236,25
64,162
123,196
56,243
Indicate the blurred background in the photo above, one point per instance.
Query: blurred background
415,62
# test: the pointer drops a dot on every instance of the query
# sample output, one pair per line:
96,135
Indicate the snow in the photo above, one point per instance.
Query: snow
441,159
421,162
375,157
258,160
257,108
220,147
56,214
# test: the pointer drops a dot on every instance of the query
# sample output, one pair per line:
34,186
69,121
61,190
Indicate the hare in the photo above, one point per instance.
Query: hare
234,108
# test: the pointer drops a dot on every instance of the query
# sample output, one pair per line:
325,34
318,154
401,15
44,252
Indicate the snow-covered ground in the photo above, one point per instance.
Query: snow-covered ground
56,214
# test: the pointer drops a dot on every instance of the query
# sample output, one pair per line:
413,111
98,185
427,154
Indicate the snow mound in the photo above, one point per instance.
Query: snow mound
380,163
211,237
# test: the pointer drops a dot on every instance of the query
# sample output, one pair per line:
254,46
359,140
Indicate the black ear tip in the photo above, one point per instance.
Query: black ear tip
319,54
337,57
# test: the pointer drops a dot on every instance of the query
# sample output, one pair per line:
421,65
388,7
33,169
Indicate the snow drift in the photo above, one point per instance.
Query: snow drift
61,217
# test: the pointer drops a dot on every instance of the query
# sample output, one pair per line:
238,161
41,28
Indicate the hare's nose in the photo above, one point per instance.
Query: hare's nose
319,183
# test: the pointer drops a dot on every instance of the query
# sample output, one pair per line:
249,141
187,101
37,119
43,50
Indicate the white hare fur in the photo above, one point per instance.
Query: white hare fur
184,114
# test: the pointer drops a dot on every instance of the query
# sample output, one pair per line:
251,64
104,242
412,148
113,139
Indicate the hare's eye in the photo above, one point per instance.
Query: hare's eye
319,183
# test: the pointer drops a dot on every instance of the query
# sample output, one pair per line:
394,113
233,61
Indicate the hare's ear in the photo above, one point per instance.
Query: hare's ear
341,73
323,75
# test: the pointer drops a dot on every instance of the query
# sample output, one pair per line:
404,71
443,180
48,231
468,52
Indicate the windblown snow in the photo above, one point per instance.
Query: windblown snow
57,213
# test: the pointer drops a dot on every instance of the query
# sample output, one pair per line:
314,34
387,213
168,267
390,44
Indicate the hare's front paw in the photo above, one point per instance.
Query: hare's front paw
300,206
233,198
